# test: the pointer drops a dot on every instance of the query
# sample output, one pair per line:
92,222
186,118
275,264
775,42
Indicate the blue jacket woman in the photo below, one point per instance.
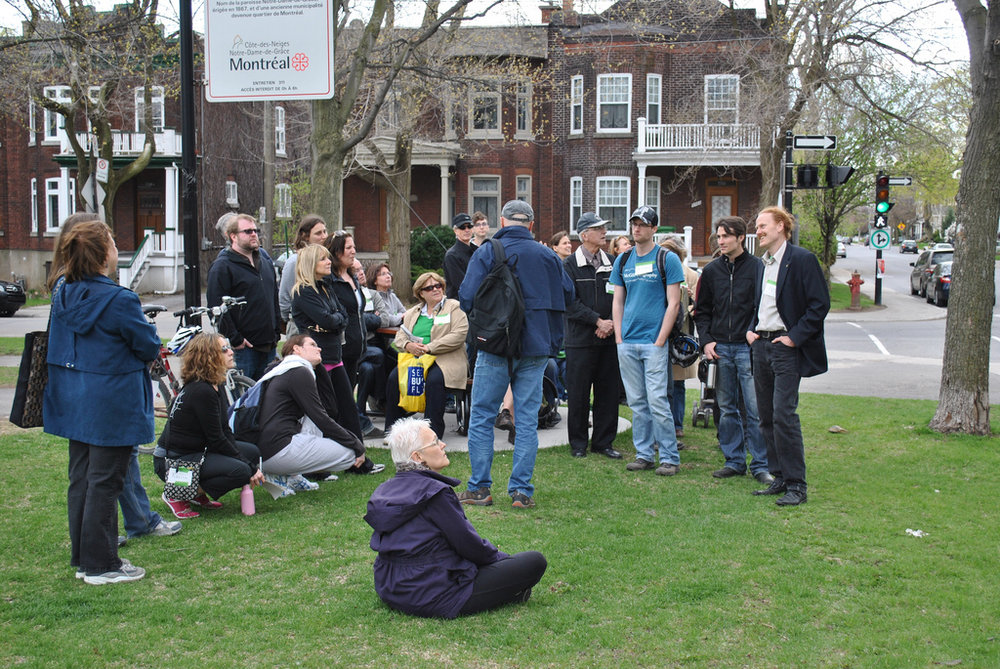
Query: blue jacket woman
99,395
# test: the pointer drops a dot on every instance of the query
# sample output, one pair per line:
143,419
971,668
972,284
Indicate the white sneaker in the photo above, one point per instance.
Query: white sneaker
300,483
277,486
166,528
126,572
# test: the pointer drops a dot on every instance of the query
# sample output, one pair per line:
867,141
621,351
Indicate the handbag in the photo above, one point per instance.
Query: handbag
183,479
33,375
411,373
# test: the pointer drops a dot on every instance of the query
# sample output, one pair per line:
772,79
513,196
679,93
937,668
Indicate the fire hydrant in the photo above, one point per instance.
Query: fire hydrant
855,286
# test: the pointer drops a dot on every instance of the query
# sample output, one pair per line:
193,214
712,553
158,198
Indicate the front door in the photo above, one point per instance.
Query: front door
720,197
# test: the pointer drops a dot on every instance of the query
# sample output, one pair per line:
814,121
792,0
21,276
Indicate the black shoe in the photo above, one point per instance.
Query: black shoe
726,472
792,498
681,446
764,477
511,435
579,454
776,488
374,433
504,420
609,453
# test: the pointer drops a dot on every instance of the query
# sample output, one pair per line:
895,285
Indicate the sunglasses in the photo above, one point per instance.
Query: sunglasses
226,348
465,226
341,233
250,231
431,286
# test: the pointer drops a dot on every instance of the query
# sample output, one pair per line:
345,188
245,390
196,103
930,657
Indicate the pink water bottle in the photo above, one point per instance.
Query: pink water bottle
246,501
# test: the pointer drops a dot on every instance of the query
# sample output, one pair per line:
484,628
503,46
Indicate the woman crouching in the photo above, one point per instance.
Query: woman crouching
431,561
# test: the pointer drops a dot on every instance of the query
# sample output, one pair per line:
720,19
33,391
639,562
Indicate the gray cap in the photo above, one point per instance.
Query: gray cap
519,211
590,220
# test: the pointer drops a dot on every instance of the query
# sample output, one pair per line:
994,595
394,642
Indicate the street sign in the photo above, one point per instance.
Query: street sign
900,181
88,192
817,142
881,221
102,169
880,239
901,226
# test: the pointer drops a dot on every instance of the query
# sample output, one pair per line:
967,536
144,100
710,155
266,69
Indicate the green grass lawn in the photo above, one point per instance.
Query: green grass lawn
643,570
840,297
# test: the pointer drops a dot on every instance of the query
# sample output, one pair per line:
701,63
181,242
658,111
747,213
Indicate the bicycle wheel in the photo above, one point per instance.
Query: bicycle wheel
236,385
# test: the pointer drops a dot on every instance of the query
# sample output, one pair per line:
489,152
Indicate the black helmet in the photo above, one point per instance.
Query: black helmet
647,215
684,350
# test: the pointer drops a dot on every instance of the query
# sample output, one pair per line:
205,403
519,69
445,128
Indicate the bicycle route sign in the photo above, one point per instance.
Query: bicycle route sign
880,239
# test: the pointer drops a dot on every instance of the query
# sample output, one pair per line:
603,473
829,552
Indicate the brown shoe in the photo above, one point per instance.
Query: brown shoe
667,469
639,464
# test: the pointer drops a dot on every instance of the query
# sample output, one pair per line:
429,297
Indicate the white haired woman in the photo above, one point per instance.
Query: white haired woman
431,561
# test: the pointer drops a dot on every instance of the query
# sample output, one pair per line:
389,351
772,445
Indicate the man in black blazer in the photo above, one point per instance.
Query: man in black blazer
786,338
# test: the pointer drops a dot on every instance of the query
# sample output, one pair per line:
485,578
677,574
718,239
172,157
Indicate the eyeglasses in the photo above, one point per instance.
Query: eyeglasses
482,224
465,226
250,231
431,286
436,442
227,348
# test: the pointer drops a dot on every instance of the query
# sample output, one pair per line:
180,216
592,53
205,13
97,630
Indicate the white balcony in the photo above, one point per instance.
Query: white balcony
697,144
168,143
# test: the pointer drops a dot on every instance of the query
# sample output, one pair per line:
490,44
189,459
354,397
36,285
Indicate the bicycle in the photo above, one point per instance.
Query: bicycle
166,386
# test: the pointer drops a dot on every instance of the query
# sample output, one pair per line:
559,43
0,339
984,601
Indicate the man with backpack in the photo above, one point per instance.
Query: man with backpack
647,282
515,309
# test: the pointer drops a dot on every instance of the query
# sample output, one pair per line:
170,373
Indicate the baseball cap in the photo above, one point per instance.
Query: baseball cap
518,210
590,220
461,219
646,215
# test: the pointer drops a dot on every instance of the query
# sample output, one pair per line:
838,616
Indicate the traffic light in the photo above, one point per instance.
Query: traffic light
837,175
882,204
807,177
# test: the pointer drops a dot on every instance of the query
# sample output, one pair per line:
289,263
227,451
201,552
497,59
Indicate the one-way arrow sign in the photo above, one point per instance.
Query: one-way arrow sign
819,142
900,181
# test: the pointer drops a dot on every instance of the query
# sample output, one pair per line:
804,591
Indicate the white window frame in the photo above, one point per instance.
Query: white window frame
576,105
282,201
610,94
492,212
279,131
54,122
32,122
232,195
575,201
613,193
522,187
523,124
486,92
716,100
34,206
53,204
652,195
158,100
654,98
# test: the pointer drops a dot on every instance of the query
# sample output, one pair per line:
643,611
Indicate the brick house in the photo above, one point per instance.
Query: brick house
631,106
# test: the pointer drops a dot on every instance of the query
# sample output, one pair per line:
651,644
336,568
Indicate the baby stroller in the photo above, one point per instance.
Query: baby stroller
706,406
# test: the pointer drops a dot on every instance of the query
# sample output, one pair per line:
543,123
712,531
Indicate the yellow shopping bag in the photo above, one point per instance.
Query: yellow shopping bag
412,371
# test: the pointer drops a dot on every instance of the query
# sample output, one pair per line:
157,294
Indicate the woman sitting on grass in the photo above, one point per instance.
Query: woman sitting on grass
297,435
197,425
431,562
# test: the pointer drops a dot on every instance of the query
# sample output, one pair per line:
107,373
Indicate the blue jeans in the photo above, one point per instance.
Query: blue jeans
252,361
139,519
646,373
735,376
677,402
489,384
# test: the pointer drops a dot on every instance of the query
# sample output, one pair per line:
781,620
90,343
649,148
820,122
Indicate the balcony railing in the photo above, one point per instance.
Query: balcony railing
723,137
168,142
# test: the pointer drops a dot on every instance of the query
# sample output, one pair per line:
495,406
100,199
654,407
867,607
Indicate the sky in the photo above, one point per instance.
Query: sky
941,22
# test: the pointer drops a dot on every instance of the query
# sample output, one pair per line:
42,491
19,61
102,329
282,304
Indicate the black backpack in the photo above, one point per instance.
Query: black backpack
661,262
244,414
497,316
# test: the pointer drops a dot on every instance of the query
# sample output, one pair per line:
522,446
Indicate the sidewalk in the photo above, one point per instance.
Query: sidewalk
895,306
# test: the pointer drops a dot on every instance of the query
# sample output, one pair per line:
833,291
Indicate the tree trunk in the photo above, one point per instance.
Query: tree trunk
398,206
772,152
327,164
964,400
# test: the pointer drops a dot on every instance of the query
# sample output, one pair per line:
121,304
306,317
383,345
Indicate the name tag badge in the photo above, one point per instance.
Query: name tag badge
770,288
609,289
442,319
643,268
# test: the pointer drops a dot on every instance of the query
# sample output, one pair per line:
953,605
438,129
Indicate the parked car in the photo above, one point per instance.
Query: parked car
841,250
924,266
939,285
12,298
908,246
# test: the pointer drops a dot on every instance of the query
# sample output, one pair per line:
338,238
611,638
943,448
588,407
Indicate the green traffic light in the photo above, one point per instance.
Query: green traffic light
883,207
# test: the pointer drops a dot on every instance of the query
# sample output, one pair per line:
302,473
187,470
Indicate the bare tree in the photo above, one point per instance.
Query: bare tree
98,56
963,404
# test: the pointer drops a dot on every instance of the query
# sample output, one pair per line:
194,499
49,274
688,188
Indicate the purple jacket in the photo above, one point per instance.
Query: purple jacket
428,551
